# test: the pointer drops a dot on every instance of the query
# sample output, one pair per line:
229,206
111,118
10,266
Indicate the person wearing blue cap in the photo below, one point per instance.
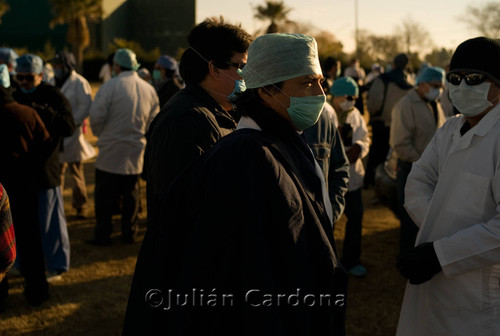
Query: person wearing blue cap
354,134
166,78
55,111
120,115
250,221
415,119
8,57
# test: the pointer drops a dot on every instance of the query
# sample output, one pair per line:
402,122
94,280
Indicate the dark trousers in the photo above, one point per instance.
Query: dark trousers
378,150
17,178
409,229
109,190
351,251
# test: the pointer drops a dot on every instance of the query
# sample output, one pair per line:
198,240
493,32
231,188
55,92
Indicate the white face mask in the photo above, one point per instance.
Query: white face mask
346,105
470,100
433,94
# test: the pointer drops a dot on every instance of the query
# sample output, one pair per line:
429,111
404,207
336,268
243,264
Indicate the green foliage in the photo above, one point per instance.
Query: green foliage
439,57
67,10
142,55
275,12
4,8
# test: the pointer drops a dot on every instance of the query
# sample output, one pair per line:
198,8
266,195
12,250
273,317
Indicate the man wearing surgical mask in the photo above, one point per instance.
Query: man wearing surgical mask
166,79
250,216
415,119
354,134
453,196
201,113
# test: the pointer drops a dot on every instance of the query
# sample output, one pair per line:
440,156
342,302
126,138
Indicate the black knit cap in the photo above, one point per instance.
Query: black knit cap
478,55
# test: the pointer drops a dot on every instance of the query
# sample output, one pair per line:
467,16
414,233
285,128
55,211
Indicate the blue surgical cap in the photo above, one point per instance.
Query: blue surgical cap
29,63
7,55
431,74
344,86
126,58
167,62
273,58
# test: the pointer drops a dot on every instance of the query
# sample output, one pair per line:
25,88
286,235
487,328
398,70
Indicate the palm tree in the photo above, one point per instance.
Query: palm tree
4,8
275,11
75,13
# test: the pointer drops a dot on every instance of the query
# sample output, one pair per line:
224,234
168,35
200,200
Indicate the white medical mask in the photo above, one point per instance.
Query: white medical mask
470,100
346,105
433,94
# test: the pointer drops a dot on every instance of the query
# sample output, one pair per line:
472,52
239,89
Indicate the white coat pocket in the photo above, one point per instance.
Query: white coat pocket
468,197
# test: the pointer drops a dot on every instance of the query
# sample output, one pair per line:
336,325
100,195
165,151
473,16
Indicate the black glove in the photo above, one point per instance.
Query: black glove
420,264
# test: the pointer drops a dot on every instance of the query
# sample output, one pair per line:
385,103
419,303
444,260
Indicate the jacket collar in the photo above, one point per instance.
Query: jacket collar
481,129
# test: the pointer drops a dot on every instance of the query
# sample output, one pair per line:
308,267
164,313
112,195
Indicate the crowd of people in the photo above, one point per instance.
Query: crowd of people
251,152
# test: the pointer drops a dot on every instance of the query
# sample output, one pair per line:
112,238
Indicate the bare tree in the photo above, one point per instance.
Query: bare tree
413,36
485,19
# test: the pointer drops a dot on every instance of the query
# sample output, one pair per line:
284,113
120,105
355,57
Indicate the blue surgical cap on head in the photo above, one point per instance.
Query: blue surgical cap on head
29,63
344,86
431,74
7,55
126,58
167,62
274,58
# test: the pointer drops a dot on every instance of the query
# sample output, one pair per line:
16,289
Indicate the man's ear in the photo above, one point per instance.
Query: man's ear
213,70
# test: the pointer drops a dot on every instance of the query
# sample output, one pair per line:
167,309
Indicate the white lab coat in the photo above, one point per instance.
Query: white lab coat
453,195
361,138
120,115
77,90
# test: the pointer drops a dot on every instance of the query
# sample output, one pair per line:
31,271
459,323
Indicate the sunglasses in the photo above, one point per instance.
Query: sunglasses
350,98
470,79
236,65
29,78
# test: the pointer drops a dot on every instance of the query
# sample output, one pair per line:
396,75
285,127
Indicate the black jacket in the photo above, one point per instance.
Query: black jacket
245,219
187,126
55,111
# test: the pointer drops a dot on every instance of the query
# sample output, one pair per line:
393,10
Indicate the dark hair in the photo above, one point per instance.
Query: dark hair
250,100
329,63
212,40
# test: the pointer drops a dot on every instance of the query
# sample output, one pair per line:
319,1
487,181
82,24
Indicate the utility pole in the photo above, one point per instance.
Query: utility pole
356,30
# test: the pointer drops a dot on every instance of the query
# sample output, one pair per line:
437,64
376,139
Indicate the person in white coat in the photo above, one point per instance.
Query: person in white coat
453,195
75,148
354,134
120,116
415,119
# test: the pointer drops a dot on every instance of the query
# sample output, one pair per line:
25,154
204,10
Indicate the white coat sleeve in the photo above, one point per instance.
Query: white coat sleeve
155,109
99,109
422,181
83,102
475,247
360,135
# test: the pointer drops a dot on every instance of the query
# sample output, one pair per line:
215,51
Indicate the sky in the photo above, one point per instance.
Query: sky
441,18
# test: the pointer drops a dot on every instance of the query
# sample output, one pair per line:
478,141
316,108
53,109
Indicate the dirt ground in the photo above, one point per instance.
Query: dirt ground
91,298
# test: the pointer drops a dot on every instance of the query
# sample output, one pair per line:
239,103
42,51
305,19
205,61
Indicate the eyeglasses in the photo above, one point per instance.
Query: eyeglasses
350,98
29,78
470,79
236,65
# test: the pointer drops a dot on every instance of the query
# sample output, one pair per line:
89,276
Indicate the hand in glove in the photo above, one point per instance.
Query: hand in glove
420,264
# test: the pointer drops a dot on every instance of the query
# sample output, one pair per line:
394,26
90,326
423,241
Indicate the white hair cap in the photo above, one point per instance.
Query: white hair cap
273,58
